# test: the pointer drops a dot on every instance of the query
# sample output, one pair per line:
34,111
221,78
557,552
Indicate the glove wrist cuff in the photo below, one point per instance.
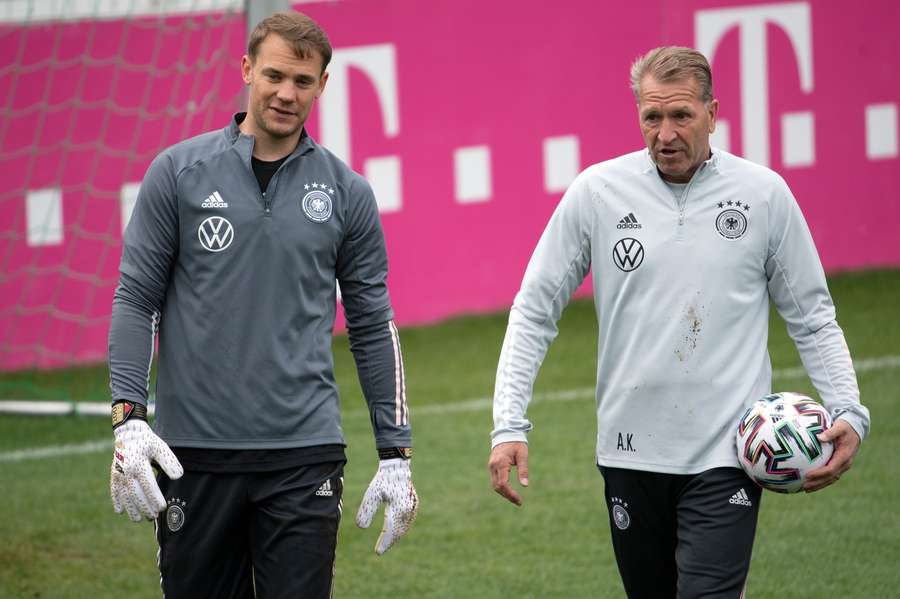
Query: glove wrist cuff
123,411
390,453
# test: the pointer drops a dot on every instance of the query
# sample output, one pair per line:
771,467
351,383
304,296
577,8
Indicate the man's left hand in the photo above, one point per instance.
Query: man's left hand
393,486
846,444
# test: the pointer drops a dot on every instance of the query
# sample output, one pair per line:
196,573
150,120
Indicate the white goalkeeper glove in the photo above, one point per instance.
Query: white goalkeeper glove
392,484
132,485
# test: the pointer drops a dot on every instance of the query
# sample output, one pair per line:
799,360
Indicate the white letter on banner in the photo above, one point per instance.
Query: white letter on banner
379,64
44,216
795,19
127,199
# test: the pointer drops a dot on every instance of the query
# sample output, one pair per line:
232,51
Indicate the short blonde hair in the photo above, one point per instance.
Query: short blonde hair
672,63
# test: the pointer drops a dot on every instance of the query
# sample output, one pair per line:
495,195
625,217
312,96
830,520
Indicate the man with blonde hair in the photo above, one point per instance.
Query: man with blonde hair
236,241
688,244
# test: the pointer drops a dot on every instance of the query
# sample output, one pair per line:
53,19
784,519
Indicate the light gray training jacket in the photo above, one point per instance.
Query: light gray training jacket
682,290
242,288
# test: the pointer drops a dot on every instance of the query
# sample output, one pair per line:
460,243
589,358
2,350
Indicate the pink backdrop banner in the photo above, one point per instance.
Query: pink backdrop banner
468,117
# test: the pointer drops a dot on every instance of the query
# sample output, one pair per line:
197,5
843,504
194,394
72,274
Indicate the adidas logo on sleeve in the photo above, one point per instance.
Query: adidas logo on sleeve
629,222
740,498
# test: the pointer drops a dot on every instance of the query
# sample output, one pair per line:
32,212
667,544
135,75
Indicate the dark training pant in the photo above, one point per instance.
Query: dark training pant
236,535
682,536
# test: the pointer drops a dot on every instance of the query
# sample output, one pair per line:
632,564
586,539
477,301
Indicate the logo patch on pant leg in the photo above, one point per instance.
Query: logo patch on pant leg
620,515
175,514
741,498
325,490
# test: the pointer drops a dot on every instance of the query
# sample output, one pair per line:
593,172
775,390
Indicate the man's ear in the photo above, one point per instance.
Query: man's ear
713,109
322,81
246,68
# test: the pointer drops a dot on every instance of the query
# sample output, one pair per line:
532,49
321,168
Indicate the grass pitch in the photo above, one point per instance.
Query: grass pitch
62,540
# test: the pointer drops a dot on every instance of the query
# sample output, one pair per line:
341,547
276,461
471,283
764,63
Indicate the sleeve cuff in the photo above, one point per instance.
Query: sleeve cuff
856,423
386,442
508,437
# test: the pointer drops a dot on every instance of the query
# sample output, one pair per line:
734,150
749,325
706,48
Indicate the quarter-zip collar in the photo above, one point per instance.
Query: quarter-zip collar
243,144
710,164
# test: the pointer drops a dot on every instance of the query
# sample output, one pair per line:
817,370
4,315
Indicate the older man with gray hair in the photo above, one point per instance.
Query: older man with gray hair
688,244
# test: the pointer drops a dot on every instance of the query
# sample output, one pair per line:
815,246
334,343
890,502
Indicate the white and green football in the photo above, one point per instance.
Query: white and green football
777,443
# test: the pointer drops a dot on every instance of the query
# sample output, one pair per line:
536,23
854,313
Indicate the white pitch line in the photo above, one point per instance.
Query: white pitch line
52,451
861,365
469,405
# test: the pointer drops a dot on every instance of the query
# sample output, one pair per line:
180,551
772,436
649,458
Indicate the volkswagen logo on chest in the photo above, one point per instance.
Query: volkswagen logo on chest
628,254
215,234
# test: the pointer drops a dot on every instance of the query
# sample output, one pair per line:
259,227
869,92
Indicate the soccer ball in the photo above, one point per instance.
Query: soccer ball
776,440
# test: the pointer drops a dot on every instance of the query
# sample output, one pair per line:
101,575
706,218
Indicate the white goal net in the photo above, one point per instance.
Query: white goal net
90,92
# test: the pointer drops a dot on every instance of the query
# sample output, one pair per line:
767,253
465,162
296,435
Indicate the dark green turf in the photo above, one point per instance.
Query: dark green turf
61,539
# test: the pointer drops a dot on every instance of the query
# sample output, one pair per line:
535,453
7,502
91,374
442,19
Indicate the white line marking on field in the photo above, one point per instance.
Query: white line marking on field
469,405
52,451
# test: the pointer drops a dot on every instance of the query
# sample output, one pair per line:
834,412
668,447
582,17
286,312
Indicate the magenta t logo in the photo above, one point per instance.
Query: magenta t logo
794,18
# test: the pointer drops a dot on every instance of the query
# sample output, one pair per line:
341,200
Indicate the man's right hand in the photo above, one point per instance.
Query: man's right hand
503,457
132,484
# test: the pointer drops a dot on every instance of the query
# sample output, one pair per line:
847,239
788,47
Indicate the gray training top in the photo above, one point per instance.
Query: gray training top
241,286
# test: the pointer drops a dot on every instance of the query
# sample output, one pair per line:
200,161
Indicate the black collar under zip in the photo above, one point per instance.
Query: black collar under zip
244,144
